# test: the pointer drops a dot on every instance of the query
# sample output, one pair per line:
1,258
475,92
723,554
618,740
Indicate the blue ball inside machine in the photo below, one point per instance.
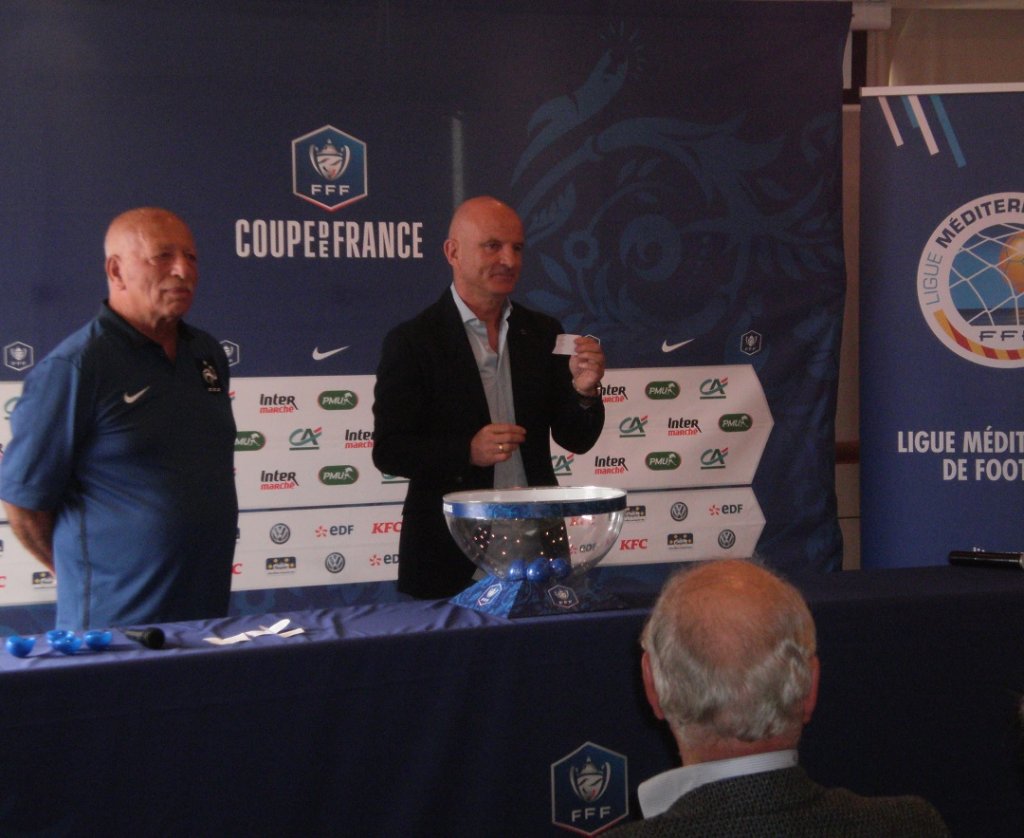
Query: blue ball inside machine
542,533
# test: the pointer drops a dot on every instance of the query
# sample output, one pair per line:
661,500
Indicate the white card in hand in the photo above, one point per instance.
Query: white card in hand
565,345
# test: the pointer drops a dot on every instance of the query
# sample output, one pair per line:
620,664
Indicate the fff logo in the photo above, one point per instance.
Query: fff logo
329,168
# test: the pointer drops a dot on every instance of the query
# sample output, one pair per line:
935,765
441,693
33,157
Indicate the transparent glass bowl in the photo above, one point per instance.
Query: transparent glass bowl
546,535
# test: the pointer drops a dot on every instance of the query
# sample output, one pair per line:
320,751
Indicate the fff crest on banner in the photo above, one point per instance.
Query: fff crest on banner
589,789
329,168
970,280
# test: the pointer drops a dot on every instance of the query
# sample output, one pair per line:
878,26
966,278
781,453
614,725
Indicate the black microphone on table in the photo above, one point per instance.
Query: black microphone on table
987,558
151,638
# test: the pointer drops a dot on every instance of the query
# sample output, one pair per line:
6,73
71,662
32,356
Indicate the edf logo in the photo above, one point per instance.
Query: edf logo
329,168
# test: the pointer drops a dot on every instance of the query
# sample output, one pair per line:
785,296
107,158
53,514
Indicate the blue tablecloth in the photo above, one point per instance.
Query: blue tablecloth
429,719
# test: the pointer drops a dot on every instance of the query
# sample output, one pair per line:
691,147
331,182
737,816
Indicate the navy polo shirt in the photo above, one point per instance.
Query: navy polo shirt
135,455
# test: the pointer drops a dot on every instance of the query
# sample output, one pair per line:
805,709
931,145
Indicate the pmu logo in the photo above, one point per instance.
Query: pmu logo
632,426
329,168
663,461
337,400
18,356
338,475
713,388
562,464
305,439
662,390
733,423
714,458
589,789
249,441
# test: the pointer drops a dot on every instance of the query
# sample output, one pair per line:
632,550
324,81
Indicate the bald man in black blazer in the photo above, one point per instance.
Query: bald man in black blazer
432,419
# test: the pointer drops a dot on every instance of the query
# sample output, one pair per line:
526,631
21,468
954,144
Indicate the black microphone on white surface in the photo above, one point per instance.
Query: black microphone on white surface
151,638
987,558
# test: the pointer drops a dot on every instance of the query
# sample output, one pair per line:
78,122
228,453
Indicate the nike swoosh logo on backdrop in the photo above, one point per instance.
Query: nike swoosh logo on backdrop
131,398
319,356
672,347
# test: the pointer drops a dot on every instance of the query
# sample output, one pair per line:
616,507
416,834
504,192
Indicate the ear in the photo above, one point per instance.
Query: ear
113,266
811,701
649,690
451,251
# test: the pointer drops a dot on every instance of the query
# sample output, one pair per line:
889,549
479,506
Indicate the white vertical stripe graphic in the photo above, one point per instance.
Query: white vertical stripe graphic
926,131
897,137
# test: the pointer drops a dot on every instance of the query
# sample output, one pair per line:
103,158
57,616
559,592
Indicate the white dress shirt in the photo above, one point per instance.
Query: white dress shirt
659,792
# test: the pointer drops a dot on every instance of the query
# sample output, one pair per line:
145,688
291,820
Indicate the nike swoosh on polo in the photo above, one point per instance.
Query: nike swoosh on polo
319,356
672,347
131,398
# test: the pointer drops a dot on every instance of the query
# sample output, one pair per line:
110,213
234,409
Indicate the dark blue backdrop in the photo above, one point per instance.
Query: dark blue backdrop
677,166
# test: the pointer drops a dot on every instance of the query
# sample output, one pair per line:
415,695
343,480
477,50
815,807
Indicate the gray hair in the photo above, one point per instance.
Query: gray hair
730,646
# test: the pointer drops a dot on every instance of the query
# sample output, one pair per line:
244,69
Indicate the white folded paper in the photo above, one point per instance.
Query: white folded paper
277,630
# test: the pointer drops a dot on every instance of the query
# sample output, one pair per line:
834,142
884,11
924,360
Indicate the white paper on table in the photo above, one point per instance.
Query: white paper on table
277,629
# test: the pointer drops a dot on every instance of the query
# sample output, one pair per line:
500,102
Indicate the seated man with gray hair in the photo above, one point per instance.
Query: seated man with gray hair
730,662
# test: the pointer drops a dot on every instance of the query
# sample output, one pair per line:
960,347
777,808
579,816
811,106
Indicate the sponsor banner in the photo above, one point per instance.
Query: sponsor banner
942,275
316,511
690,525
23,580
326,546
674,427
307,441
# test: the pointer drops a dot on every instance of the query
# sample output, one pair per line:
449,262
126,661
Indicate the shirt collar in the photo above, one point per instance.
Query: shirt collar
466,313
658,793
114,320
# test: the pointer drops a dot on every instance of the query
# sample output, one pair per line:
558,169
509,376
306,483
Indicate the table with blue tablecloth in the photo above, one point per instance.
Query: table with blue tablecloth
425,718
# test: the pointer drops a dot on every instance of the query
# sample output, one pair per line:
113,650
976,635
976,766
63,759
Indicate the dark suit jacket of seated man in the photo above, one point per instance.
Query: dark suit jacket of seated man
730,662
432,421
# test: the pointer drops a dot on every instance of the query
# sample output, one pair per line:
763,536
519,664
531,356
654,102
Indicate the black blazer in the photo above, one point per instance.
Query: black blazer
787,802
429,403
